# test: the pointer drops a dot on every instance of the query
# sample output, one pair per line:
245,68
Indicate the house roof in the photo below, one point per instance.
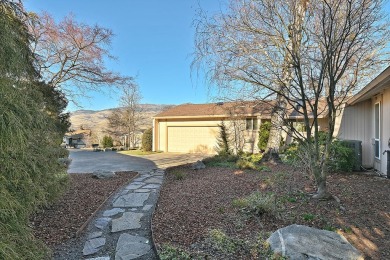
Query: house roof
376,86
220,109
260,109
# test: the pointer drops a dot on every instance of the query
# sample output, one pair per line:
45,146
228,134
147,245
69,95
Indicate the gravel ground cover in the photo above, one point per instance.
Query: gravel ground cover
198,214
60,221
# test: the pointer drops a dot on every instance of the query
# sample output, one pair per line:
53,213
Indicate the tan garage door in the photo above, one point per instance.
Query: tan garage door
192,139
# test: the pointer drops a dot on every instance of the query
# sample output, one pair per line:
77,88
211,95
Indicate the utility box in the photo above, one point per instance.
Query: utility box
356,146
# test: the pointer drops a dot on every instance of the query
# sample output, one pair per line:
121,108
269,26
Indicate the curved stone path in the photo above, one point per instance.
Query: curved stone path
127,217
121,231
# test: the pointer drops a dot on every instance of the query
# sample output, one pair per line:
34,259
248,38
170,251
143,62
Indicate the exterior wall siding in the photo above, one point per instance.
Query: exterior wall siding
356,123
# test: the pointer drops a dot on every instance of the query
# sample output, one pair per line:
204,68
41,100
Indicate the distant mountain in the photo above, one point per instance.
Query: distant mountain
97,120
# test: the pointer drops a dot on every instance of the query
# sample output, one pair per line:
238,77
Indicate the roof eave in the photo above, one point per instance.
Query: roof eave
374,87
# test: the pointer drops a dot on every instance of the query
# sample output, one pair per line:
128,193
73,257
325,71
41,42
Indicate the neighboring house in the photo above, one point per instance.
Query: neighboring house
366,117
77,139
194,128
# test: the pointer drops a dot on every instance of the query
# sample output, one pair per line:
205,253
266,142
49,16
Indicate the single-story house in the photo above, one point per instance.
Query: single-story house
77,139
366,117
194,128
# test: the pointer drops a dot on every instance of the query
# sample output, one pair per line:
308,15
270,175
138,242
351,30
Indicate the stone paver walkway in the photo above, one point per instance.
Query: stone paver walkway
122,230
128,218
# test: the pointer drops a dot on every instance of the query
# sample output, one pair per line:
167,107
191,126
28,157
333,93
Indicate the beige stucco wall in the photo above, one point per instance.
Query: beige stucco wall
162,126
248,138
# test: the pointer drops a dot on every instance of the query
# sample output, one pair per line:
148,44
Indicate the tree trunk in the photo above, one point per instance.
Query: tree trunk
322,191
271,153
278,113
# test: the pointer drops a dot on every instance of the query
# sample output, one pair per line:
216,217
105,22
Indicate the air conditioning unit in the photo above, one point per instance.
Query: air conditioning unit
356,146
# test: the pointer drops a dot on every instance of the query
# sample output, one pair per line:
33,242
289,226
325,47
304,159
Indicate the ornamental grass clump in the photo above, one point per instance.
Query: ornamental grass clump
258,204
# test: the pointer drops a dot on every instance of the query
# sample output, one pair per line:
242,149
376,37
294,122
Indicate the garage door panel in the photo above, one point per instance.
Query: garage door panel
192,139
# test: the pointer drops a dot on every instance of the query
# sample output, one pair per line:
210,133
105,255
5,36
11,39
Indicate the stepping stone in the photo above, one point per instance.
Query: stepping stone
112,212
101,223
131,247
147,207
95,234
134,186
154,180
151,186
142,190
129,220
93,245
99,258
139,179
137,183
131,200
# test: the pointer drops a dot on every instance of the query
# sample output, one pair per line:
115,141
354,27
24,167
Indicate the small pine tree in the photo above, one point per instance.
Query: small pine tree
147,140
223,147
264,130
107,141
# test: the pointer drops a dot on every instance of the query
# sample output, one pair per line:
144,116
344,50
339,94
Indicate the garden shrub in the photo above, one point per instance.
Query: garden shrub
342,158
107,141
31,130
169,252
147,140
244,164
228,161
264,130
223,242
223,147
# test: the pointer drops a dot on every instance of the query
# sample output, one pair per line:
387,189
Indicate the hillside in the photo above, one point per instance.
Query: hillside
97,120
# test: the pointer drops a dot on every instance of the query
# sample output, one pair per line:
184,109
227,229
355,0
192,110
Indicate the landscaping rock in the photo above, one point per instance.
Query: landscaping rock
302,242
198,165
142,190
131,200
93,245
151,186
100,174
99,258
129,220
95,234
131,247
101,223
112,212
154,180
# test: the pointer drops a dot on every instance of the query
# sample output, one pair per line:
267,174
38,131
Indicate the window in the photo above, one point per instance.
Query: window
252,124
377,131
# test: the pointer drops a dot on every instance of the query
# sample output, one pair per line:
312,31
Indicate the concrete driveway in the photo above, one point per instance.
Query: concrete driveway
86,161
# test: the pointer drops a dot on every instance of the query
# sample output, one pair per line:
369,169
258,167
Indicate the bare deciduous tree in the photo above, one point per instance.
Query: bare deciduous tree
128,119
72,54
312,55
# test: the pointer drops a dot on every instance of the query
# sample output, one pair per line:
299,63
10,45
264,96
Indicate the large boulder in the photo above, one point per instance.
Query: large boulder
101,174
302,242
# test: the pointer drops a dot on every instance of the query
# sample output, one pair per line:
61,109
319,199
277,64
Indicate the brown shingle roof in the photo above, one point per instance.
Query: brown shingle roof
218,110
262,109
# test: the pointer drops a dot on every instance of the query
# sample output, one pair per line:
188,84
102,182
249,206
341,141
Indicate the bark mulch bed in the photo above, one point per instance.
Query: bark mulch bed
192,203
60,221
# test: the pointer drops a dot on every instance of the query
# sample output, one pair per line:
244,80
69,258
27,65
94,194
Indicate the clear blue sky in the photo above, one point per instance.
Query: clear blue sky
153,41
